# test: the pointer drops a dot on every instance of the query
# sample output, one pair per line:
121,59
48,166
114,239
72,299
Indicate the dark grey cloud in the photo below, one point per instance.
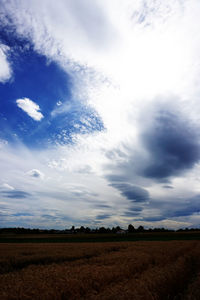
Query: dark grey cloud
103,216
35,173
18,194
168,209
168,187
49,217
153,219
133,212
188,208
172,143
131,192
22,214
102,206
168,145
2,214
117,177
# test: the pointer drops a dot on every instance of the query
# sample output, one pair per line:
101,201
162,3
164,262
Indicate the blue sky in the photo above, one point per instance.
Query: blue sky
99,113
49,86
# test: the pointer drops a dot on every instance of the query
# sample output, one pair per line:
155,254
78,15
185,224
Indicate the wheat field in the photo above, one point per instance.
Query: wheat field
117,270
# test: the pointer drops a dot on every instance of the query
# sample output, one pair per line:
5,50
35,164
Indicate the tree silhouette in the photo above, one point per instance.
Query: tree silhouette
131,228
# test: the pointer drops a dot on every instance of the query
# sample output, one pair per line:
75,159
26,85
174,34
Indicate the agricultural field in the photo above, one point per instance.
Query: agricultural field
148,270
80,238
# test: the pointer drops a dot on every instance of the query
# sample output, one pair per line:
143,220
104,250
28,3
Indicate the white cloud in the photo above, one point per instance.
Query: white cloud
59,103
61,108
5,69
7,186
31,108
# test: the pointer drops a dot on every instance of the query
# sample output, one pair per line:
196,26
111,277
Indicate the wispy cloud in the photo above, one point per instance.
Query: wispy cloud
7,186
5,69
15,194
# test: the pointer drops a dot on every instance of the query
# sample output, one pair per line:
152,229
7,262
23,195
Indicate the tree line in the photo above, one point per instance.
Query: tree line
87,230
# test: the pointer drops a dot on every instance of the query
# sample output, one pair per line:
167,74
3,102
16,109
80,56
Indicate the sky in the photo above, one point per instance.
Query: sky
99,113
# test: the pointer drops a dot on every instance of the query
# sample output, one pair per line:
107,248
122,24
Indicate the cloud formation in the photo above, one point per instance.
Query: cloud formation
131,192
172,143
16,194
31,108
5,69
7,186
35,173
124,142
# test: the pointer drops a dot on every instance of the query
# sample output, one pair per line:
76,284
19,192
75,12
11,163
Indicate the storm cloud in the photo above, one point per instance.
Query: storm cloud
173,146
170,146
131,192
191,206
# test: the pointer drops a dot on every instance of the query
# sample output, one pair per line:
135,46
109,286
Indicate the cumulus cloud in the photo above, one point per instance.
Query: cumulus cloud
35,173
31,108
5,68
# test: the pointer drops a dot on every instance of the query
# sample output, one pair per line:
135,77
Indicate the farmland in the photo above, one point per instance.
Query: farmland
149,270
79,238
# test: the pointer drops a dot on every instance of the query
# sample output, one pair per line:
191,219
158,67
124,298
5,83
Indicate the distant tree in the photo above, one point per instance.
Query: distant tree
113,230
131,228
108,230
102,230
87,230
140,229
72,229
116,229
82,229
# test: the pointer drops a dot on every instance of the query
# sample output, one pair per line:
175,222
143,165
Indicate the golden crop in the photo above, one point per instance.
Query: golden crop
117,270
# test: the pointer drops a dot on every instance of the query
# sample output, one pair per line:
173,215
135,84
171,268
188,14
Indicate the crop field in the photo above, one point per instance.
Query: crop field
147,270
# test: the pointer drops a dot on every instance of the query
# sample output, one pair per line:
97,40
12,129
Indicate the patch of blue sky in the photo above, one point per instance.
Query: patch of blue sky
50,87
